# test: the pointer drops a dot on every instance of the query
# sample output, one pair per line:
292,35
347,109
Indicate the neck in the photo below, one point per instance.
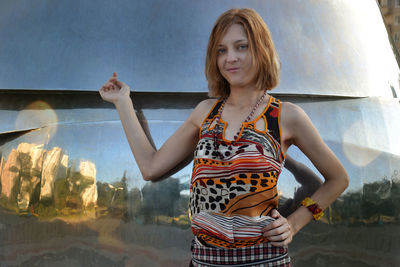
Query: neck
244,96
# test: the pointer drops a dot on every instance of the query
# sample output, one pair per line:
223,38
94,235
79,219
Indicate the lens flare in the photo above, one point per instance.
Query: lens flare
38,114
362,143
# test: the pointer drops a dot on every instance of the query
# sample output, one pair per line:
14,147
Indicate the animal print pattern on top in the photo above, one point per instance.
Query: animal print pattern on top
234,188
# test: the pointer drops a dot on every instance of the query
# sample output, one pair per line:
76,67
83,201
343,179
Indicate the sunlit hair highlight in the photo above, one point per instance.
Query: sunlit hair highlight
261,48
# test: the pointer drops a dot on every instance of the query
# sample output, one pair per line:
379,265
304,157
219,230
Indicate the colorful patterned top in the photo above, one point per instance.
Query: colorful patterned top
234,188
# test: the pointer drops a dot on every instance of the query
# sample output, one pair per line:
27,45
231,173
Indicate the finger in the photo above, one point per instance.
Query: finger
112,79
121,84
110,85
115,82
282,236
275,224
275,214
277,231
282,243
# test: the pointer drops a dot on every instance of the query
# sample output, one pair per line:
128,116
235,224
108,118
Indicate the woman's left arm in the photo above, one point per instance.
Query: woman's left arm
298,129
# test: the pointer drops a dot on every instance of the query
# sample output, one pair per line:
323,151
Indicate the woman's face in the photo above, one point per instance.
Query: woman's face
234,59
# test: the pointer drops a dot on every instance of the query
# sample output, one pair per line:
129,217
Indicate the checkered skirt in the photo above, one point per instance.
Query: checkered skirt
260,255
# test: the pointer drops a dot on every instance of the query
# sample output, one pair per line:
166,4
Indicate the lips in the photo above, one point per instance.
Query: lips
232,69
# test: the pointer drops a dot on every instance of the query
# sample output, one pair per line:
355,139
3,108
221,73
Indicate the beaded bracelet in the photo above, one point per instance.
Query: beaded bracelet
312,206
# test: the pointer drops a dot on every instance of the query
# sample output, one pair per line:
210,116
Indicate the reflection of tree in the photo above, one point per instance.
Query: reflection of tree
104,194
160,198
61,193
120,195
161,202
48,184
113,198
347,209
134,202
156,201
376,202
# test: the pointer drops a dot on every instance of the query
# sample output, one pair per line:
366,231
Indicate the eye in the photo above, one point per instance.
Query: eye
221,51
242,47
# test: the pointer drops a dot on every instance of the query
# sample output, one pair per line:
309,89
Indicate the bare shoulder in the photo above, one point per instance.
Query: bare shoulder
292,113
294,122
206,104
201,111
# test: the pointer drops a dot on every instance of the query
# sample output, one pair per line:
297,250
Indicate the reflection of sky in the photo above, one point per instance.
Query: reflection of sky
106,145
351,128
102,142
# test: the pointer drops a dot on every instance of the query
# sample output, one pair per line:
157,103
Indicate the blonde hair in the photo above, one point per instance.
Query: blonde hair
261,48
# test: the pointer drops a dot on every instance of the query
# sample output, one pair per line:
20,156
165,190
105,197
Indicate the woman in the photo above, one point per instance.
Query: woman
239,142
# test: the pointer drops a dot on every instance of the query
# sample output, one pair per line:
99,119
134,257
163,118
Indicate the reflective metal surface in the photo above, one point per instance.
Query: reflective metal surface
73,188
71,193
335,47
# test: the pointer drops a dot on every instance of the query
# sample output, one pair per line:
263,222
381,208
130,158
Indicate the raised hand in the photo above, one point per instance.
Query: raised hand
114,90
279,232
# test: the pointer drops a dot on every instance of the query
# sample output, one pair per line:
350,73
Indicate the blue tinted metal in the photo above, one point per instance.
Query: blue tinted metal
326,47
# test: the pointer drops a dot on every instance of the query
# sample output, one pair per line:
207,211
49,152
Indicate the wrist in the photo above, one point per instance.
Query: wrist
313,207
122,100
299,219
292,224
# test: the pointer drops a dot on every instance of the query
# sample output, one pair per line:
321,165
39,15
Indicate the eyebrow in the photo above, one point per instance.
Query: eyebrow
235,42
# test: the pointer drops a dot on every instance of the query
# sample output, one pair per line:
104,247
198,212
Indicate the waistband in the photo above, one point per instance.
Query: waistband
259,255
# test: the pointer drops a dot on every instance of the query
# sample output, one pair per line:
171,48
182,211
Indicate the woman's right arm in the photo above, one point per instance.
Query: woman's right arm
153,163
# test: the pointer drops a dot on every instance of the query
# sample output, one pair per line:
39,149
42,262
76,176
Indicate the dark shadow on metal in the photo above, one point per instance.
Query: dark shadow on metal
9,136
309,183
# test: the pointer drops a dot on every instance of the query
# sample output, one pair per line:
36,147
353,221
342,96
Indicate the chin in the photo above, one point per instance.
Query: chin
235,82
238,83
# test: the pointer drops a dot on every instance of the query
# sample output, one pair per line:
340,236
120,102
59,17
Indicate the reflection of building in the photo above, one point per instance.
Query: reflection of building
89,194
55,167
31,174
21,173
391,15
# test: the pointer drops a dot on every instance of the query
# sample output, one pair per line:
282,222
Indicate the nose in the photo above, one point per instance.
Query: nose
231,56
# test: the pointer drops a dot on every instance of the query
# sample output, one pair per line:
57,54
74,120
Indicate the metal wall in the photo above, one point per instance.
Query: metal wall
335,47
71,193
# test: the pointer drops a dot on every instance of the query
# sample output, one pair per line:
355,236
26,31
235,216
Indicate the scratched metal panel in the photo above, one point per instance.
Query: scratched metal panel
124,221
326,47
